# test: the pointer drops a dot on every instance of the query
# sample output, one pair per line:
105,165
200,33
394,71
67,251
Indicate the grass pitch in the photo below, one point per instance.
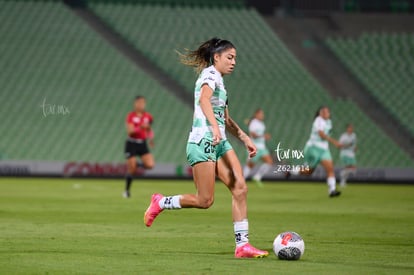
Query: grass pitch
74,226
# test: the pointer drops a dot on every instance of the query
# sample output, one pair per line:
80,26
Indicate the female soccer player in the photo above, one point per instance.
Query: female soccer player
347,154
208,150
317,149
138,125
257,131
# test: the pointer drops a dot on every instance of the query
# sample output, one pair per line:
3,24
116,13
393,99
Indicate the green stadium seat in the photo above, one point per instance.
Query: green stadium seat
383,63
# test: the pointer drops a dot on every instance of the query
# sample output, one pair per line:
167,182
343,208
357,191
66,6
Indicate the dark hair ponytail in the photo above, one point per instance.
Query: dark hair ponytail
204,56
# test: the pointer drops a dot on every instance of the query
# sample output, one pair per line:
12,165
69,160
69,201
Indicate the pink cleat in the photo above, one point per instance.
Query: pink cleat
248,251
153,210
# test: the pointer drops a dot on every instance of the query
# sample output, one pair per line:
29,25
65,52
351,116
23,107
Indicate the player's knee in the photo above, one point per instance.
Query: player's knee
267,159
149,165
240,190
132,167
206,203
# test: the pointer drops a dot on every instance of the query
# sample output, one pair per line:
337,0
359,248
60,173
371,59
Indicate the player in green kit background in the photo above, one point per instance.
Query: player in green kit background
317,149
257,132
208,150
347,153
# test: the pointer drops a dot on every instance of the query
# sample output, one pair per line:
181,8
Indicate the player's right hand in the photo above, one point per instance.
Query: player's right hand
216,135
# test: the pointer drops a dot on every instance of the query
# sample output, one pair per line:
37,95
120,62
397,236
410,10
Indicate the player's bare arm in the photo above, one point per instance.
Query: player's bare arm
205,104
348,145
329,139
234,129
254,135
267,136
130,128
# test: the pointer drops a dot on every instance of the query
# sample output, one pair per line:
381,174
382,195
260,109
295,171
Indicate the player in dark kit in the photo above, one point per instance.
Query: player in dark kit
138,125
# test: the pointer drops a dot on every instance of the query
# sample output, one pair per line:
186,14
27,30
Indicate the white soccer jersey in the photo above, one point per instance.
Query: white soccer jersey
257,127
201,127
319,124
349,142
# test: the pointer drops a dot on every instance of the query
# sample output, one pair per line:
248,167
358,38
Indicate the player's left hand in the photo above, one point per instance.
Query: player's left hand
251,148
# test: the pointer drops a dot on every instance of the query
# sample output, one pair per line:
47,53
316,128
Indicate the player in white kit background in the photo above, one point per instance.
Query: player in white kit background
317,149
257,132
348,141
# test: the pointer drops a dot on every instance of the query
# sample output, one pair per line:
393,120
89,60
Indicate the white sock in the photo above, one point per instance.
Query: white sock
241,232
246,171
262,171
171,202
331,181
344,175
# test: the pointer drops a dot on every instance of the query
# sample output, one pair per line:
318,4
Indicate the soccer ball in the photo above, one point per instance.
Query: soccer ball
288,246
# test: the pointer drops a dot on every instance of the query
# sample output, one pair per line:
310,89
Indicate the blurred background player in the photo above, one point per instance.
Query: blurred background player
348,141
208,150
257,132
138,125
317,150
